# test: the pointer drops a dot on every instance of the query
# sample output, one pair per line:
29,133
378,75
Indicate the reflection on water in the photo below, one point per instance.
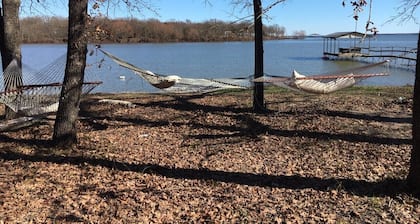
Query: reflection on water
213,60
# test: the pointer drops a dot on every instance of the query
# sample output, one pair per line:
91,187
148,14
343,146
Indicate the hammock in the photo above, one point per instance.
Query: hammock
323,84
177,84
320,84
32,93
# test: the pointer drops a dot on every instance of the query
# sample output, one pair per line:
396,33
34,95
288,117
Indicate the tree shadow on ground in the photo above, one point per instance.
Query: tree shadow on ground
250,127
387,187
254,128
184,103
362,116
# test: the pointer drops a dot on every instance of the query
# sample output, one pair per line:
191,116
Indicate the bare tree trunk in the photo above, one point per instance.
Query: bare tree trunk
413,178
65,132
258,96
10,41
2,45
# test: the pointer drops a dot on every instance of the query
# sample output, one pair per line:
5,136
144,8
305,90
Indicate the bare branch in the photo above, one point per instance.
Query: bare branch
207,2
96,7
406,11
132,7
247,5
42,7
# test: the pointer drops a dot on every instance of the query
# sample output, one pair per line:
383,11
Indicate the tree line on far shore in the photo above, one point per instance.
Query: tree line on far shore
104,30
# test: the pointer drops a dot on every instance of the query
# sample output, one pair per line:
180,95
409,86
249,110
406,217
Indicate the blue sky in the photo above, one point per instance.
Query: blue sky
321,16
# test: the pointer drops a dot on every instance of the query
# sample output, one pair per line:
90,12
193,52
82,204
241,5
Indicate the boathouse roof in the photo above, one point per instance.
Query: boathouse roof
337,35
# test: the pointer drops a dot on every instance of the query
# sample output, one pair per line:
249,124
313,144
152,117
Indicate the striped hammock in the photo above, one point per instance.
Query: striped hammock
323,84
33,93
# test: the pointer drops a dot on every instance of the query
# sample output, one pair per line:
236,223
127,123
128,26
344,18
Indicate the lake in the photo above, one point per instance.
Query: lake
215,60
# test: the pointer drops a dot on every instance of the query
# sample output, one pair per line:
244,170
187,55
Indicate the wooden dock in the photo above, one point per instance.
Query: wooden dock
355,50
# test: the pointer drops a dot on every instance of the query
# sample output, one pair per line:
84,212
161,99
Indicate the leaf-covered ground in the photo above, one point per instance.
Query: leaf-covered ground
338,158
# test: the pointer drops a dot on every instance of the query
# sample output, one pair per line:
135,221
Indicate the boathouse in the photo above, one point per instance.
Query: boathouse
356,46
345,45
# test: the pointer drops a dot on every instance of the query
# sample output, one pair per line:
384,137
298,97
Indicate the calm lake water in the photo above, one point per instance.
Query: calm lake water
215,60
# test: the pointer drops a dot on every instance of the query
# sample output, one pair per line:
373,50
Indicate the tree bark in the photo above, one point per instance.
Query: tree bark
413,178
258,95
65,132
10,41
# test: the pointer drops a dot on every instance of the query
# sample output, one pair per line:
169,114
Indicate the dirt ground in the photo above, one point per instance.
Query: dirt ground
337,158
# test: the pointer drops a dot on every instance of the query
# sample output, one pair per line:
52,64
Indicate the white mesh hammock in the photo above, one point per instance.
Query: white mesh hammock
33,93
177,84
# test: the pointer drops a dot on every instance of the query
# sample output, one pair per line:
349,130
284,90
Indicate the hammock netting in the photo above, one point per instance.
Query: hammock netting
36,92
181,85
320,84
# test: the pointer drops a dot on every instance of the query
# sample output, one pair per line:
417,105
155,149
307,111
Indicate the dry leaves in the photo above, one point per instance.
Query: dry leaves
338,158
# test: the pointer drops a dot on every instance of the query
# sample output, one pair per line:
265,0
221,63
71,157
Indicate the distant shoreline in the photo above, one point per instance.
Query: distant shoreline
211,41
